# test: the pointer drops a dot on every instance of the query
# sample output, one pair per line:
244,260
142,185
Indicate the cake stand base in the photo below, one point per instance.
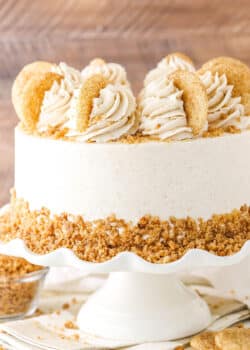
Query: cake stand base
141,307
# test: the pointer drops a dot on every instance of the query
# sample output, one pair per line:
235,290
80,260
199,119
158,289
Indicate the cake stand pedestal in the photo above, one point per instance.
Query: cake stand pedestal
145,302
140,307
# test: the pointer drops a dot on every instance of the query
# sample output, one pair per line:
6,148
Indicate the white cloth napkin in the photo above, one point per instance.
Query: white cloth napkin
67,279
231,281
48,331
68,288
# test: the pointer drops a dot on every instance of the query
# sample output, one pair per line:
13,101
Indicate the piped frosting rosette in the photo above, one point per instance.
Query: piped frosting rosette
42,93
102,111
98,105
113,72
227,82
168,65
57,100
48,96
173,107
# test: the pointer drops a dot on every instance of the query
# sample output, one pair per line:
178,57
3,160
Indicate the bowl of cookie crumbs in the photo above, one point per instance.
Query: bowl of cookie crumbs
20,287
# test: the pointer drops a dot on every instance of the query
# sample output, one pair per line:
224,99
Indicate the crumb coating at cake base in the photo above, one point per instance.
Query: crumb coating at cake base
155,240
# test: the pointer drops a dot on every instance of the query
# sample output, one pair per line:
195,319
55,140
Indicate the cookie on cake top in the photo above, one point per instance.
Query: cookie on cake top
98,105
227,82
38,67
42,92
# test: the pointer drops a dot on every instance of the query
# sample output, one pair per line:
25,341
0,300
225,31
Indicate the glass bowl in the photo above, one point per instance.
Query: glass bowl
19,296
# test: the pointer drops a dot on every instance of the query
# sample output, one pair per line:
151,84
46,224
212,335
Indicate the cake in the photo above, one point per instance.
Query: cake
101,172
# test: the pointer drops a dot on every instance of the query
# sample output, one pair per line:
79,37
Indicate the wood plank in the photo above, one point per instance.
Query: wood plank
136,55
78,19
7,123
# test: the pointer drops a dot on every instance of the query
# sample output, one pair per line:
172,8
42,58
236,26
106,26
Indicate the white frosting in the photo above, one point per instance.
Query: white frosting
113,113
71,76
223,109
131,180
162,111
114,72
56,102
167,66
112,116
55,106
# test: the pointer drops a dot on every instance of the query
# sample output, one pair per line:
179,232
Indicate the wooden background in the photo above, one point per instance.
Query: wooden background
136,33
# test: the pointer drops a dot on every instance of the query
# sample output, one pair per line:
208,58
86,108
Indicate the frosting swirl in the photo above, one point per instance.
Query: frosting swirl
57,100
223,109
56,104
162,111
112,116
166,67
113,72
72,76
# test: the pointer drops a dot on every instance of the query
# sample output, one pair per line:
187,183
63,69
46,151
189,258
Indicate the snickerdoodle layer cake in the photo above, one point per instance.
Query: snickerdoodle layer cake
100,173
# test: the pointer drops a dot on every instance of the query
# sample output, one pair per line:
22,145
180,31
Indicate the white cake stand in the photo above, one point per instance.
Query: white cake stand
141,301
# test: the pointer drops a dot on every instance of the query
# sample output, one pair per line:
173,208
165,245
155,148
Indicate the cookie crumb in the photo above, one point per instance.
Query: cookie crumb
16,294
155,240
65,306
70,325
